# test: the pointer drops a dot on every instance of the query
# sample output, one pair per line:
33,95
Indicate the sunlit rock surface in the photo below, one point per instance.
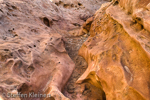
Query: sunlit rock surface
118,50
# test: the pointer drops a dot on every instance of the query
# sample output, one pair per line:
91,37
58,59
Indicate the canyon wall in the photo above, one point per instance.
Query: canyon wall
40,41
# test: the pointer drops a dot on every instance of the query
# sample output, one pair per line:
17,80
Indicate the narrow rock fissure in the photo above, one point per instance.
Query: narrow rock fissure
84,91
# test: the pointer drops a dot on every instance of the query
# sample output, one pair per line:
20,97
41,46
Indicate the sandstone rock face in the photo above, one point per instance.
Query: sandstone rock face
40,39
32,54
33,58
118,50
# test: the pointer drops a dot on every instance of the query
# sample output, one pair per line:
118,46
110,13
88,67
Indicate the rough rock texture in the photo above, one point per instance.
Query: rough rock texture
118,50
32,54
78,11
40,39
33,58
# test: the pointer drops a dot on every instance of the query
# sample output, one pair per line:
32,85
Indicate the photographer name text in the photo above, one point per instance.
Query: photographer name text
29,95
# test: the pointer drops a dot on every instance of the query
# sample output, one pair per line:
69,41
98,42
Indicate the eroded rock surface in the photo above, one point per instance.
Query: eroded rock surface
32,54
78,11
117,51
33,58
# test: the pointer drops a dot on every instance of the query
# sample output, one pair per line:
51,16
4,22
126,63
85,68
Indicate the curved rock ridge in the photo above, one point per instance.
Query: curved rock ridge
118,50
